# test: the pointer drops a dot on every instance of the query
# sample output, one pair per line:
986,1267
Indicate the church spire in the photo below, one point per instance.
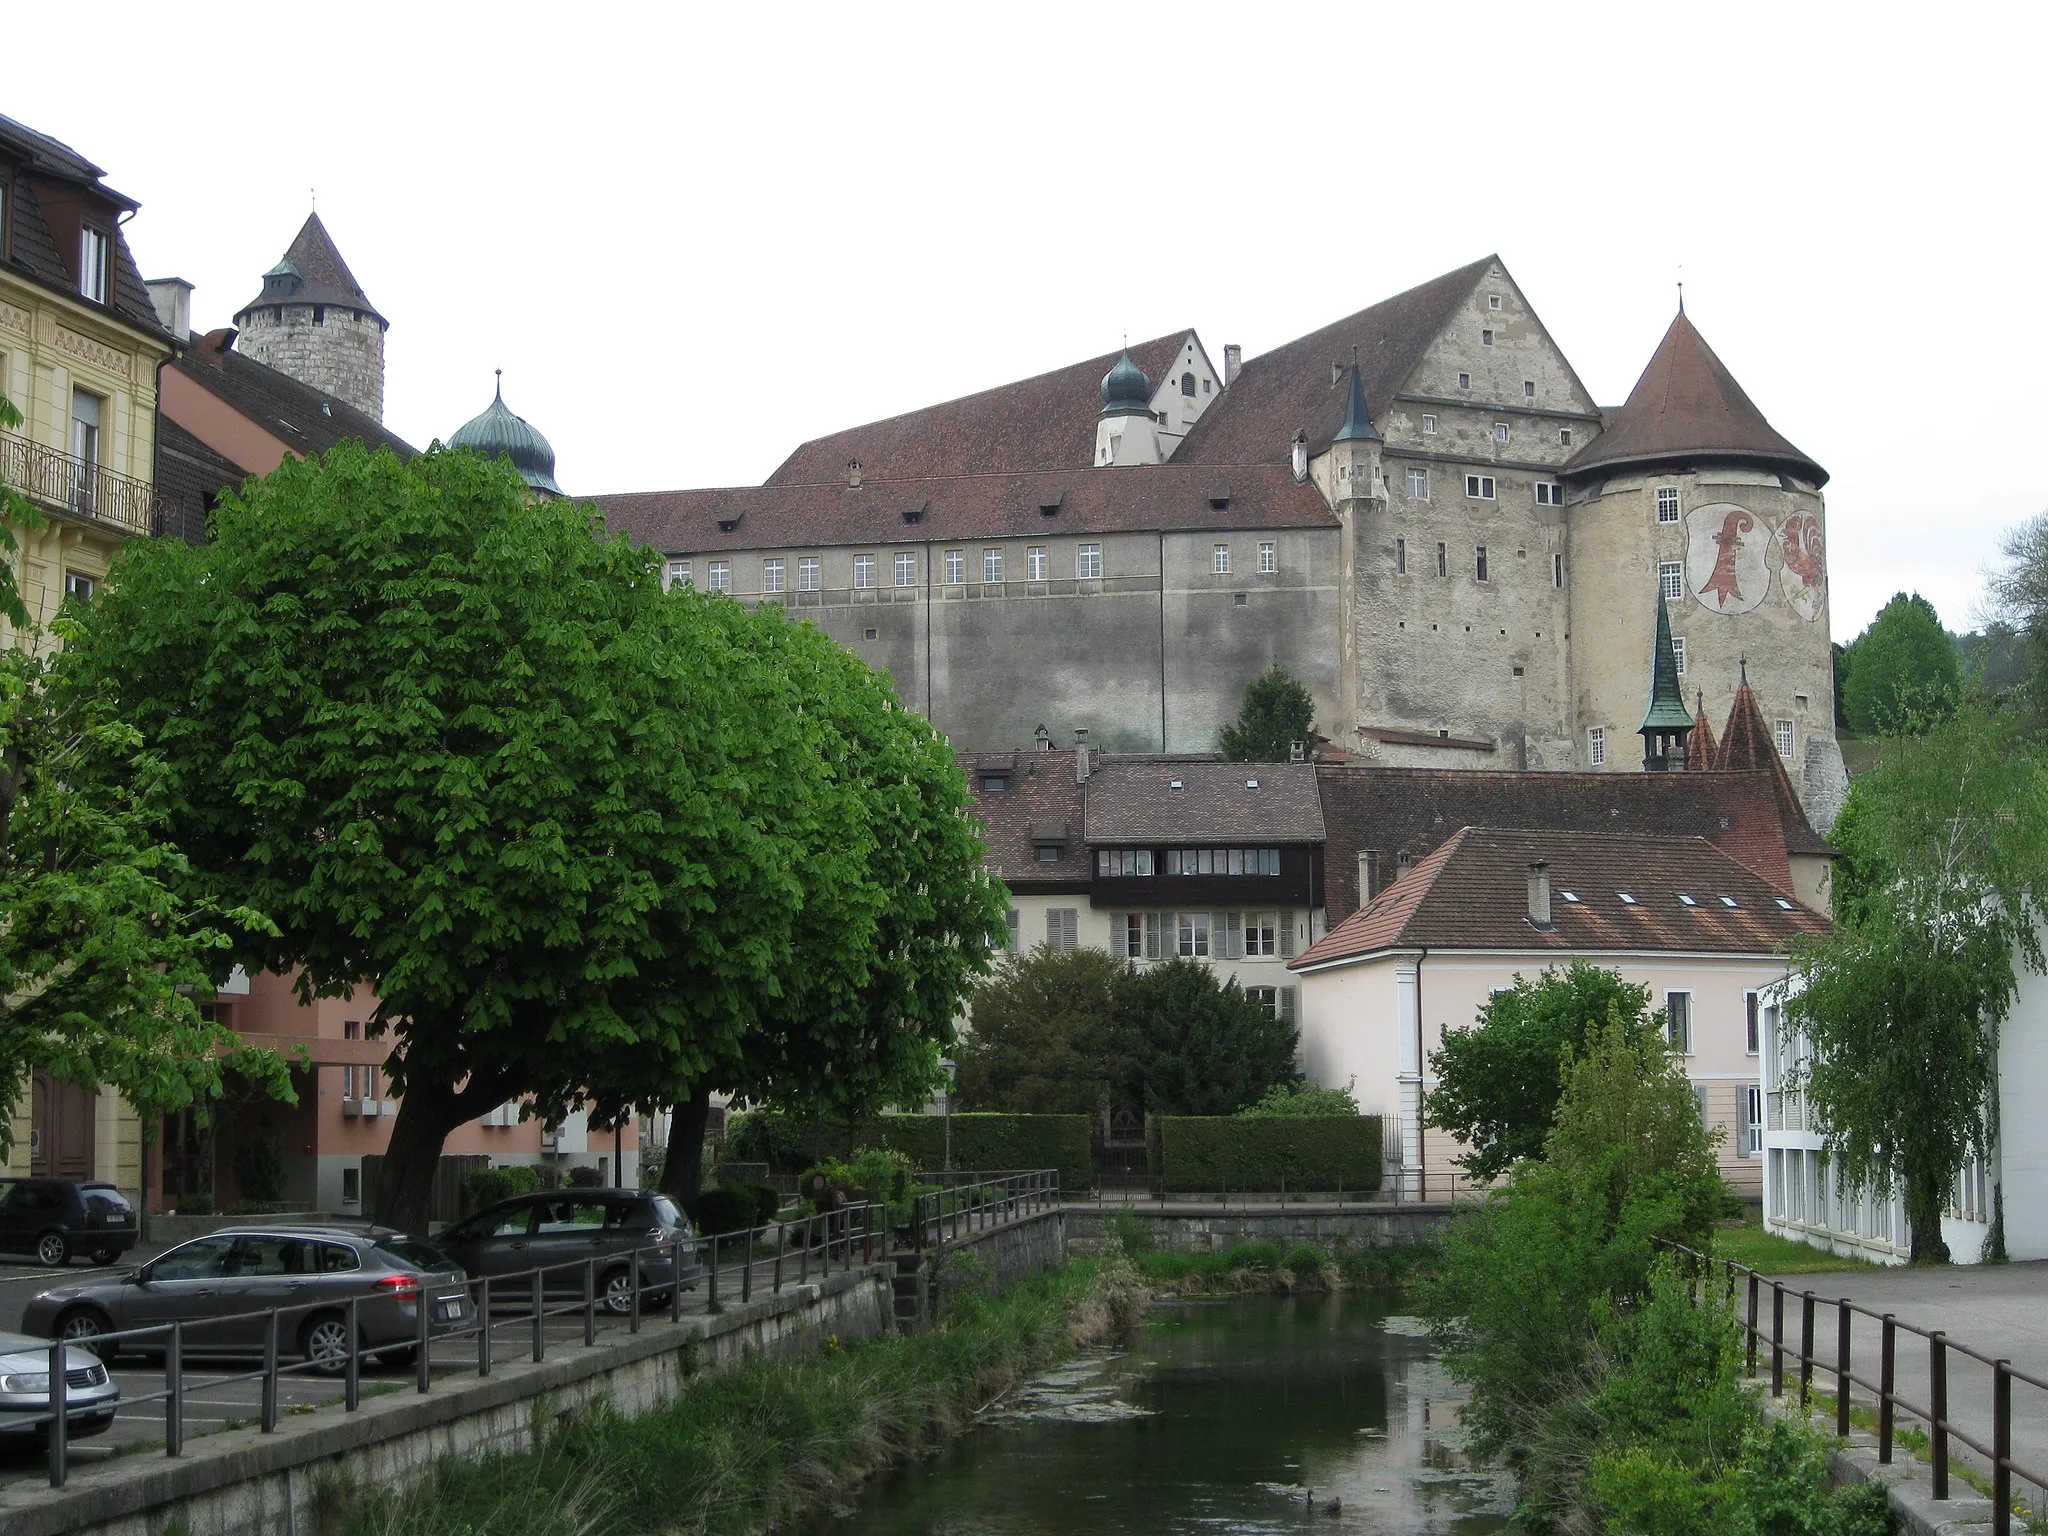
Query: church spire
1358,427
1667,723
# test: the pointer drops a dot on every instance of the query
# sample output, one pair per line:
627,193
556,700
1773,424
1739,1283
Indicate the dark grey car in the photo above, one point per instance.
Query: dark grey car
572,1228
223,1287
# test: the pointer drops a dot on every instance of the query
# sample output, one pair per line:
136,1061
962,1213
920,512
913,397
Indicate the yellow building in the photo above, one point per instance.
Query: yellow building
80,346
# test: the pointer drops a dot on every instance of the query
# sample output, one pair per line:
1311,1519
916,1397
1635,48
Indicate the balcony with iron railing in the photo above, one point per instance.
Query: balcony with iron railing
73,487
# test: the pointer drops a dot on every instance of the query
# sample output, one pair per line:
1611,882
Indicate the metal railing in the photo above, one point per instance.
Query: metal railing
66,483
1883,1392
777,1253
978,1202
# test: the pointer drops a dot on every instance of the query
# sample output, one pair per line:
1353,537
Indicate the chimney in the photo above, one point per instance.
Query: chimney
1365,871
1539,894
1080,754
172,297
1233,360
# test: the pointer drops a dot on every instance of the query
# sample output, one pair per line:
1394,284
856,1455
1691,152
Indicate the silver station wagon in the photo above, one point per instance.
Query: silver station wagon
223,1287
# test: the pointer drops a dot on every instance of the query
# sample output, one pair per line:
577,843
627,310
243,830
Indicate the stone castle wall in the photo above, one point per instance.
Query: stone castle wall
341,353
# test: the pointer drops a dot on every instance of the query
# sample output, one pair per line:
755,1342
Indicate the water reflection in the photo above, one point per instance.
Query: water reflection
1261,1414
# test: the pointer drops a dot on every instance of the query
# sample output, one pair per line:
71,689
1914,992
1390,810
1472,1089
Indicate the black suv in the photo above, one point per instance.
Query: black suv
55,1218
569,1226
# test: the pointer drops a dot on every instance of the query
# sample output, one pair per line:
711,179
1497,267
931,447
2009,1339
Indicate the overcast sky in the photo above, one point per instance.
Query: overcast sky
693,241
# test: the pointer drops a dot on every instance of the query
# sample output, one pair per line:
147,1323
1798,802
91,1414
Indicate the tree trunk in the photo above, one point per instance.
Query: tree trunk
427,1112
1924,1200
682,1171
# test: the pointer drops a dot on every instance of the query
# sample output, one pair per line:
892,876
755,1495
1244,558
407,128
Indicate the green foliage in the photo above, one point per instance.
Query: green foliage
994,1143
1036,1045
1266,1152
1945,845
1185,1043
1305,1098
1131,1235
785,1143
258,1162
871,1173
718,1211
487,1186
1277,716
1903,675
1997,661
581,1177
1498,1082
16,511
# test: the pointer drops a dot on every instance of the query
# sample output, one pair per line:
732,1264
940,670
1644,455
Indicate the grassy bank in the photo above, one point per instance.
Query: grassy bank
758,1446
1267,1267
1746,1242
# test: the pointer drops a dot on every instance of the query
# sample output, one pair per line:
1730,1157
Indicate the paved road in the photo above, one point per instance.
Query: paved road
2000,1310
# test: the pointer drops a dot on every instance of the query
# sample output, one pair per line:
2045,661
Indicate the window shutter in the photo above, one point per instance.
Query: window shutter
1287,996
1052,927
1233,935
1285,922
1151,935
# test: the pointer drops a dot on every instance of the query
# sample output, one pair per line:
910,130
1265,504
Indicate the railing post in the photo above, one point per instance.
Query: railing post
1777,1338
711,1279
174,1386
1752,1330
1937,1416
60,1416
747,1269
1842,1326
483,1327
590,1303
352,1387
269,1419
1805,1346
803,1260
2001,1448
781,1242
423,1360
675,1292
540,1341
1886,1377
634,1325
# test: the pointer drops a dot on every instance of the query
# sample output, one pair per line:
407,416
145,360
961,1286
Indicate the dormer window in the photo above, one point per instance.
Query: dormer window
1048,853
95,249
1626,899
994,783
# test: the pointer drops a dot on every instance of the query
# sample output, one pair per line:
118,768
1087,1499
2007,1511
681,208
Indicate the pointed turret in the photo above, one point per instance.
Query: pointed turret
1666,724
1358,425
1687,407
313,321
1699,749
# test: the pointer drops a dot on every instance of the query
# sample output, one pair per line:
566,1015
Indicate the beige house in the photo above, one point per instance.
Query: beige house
1706,935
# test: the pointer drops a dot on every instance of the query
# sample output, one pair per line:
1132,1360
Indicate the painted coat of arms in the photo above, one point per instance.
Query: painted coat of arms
1725,565
1802,560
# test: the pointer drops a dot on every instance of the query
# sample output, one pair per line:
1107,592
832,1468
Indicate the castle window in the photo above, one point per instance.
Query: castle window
1500,431
679,573
1034,563
1269,557
1088,562
1549,494
1564,437
1429,426
1486,338
1678,652
807,569
79,585
771,574
1667,503
319,314
906,569
1493,302
1207,385
1596,746
1479,487
863,570
1187,384
956,567
1479,564
1671,579
992,565
994,783
1400,557
718,576
94,248
1528,389
869,634
1219,559
1782,730
1464,381
1557,570
1418,485
1440,565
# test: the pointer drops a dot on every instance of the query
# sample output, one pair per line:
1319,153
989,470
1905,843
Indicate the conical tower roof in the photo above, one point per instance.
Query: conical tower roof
1358,427
1699,747
1667,711
499,433
1688,406
312,272
1746,744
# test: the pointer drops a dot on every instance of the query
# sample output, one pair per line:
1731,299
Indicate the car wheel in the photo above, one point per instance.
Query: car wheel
324,1343
86,1327
105,1255
52,1249
615,1287
404,1359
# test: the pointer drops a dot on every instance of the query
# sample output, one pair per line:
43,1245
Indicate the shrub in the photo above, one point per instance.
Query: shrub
259,1169
1305,1099
487,1186
1265,1152
783,1143
584,1178
994,1143
724,1210
1131,1235
1306,1259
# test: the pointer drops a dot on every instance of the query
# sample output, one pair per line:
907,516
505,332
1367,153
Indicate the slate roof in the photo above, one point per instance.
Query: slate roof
1289,389
1472,894
1042,798
1687,405
1394,811
324,278
1109,500
1134,801
189,475
1746,744
32,250
310,420
1046,422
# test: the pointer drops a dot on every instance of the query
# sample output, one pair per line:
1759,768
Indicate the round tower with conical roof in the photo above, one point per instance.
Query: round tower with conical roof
313,321
1690,495
498,433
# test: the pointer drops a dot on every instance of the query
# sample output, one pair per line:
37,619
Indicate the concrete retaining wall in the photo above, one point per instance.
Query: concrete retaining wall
1340,1228
1000,1255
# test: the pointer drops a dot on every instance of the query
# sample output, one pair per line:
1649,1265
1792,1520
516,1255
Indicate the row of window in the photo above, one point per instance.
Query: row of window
1501,432
1201,935
866,568
1783,734
1187,861
1482,488
1481,569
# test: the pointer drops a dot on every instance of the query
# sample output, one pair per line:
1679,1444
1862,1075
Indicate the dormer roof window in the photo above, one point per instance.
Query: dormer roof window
95,251
730,524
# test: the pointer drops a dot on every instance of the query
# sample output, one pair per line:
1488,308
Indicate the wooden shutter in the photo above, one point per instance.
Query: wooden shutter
1231,926
1285,923
1287,1001
1151,935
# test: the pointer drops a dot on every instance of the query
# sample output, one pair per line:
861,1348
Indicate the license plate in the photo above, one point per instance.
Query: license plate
451,1310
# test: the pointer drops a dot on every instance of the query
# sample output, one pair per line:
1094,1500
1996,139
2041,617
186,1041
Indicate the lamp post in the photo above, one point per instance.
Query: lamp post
947,1067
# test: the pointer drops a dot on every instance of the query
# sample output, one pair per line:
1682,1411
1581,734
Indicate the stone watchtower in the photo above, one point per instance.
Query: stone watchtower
314,322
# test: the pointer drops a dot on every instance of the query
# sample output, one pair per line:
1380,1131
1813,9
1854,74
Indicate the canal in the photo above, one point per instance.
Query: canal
1254,1414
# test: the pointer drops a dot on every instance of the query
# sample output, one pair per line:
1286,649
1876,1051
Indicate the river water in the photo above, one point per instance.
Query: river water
1256,1414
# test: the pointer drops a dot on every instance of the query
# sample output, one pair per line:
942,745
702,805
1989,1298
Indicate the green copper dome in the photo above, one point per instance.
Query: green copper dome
500,434
1126,388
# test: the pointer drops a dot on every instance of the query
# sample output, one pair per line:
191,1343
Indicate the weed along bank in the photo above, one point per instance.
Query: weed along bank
536,1365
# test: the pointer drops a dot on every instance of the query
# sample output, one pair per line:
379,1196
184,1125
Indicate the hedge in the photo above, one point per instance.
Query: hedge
995,1143
1255,1152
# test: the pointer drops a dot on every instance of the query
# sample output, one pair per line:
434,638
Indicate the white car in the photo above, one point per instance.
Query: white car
90,1393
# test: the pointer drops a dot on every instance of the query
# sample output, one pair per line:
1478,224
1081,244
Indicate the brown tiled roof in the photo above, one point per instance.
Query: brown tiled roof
1291,389
1395,811
1688,405
324,278
310,420
33,251
968,507
1746,747
1699,746
1472,893
1042,796
1047,422
1135,800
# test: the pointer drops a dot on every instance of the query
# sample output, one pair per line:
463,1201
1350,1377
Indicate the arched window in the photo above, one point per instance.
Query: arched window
1187,383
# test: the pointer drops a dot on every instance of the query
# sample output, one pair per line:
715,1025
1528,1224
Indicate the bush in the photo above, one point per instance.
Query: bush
1305,1099
993,1143
584,1178
1265,1152
783,1143
259,1169
725,1210
487,1186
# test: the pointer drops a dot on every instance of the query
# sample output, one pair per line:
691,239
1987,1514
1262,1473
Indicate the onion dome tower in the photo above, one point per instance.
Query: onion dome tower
314,323
1667,723
500,434
1126,430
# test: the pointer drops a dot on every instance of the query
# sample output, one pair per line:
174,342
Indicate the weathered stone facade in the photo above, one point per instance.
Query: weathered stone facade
337,350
